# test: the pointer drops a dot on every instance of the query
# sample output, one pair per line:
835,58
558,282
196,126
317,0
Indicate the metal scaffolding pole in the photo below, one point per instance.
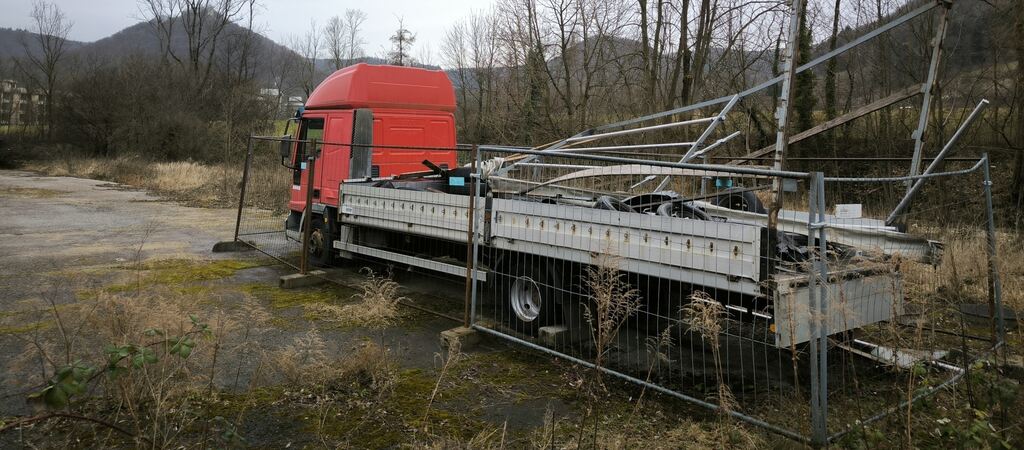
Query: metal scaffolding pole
782,113
928,90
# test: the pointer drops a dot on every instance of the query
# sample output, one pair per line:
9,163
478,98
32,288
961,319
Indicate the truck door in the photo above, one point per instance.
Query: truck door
309,128
332,167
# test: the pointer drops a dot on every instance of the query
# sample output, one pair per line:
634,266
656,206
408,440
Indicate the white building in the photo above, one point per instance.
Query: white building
18,106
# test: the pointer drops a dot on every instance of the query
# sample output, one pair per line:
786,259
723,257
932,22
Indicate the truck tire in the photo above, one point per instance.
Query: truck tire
740,200
527,294
321,239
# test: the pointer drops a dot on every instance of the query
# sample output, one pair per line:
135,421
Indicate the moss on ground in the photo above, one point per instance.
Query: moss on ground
287,298
29,192
402,417
522,375
23,328
177,271
178,275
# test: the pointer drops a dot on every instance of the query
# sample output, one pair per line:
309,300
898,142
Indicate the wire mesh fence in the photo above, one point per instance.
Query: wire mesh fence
345,228
944,274
263,209
785,299
654,271
694,280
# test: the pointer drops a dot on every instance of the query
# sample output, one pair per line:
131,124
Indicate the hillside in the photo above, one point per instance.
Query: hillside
12,43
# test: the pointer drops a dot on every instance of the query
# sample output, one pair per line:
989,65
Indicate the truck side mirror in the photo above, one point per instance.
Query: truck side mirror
286,147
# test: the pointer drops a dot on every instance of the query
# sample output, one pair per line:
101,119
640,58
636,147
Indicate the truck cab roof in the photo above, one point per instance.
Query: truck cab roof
372,86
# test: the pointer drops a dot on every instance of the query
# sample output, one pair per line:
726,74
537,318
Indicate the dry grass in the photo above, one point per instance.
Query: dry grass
306,363
963,270
377,305
704,315
686,434
612,301
153,399
187,181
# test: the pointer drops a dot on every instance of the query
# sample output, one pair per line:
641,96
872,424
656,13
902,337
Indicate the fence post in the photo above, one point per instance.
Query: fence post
821,433
307,216
995,290
818,437
245,183
470,247
483,218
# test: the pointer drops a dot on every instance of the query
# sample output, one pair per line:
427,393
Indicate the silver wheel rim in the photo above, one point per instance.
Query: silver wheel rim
524,295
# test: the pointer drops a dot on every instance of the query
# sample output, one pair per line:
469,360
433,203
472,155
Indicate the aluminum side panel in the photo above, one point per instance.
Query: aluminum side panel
713,254
433,214
853,302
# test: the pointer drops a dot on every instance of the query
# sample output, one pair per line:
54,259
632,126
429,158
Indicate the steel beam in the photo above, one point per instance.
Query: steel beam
928,90
761,86
914,188
700,140
845,118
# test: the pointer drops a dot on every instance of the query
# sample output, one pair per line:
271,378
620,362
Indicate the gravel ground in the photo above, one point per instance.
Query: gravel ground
61,236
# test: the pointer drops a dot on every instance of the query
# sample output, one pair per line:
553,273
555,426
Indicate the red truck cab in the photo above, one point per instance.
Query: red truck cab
363,116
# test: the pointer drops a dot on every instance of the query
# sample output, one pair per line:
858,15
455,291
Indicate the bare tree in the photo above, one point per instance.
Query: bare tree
203,23
247,46
282,69
401,45
161,16
424,55
308,47
1018,104
335,35
51,29
354,19
565,18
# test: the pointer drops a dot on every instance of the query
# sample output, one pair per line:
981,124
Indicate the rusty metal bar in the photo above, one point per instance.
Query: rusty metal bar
245,183
307,214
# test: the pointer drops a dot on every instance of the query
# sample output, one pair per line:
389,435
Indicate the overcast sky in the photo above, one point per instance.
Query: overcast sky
96,19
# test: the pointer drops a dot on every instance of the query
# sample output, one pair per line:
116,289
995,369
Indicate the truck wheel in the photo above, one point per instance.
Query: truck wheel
320,241
528,297
740,200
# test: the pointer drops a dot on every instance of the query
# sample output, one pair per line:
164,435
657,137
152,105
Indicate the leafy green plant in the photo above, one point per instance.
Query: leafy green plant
979,432
68,381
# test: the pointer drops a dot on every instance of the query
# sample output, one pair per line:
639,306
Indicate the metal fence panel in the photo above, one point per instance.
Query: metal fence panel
715,289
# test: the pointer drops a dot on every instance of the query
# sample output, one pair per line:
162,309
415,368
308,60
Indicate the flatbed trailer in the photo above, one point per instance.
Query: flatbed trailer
415,223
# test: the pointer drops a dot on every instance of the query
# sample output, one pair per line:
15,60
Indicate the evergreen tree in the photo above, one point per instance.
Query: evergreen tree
401,43
804,97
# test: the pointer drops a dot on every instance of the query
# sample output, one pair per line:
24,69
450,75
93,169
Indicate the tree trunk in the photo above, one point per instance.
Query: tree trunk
830,73
1017,192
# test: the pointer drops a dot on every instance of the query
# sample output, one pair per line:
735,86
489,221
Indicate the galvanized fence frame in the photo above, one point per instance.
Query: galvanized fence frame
817,275
254,241
997,337
818,351
817,278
